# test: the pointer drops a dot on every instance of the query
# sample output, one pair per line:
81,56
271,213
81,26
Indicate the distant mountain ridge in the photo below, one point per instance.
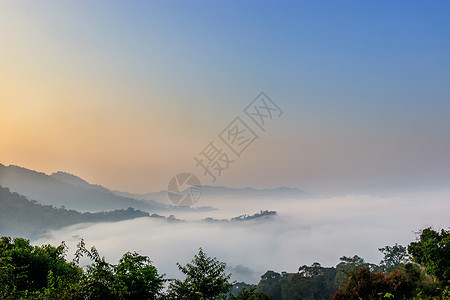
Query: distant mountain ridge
211,192
75,180
62,189
70,191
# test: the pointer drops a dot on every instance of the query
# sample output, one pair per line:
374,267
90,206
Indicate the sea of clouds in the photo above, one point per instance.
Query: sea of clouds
304,231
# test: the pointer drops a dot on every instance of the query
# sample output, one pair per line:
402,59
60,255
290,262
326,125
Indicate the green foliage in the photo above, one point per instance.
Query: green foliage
402,283
238,287
363,284
250,294
26,270
133,278
19,216
270,284
347,265
427,279
311,282
137,278
98,281
393,257
42,272
31,272
205,279
432,251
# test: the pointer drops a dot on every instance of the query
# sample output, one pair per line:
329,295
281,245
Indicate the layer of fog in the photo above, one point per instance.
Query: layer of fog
303,232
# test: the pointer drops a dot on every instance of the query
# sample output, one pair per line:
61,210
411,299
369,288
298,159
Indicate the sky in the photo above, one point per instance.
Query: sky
127,93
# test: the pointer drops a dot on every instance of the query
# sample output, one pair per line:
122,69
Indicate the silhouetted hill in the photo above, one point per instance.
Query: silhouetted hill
63,189
261,215
215,192
22,217
248,192
77,181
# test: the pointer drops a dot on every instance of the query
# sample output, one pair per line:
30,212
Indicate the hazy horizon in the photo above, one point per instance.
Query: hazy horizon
127,94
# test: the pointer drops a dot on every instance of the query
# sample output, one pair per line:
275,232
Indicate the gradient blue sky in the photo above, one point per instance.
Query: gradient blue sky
125,93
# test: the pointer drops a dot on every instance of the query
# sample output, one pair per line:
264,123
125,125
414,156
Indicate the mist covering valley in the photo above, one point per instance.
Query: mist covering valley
304,231
303,228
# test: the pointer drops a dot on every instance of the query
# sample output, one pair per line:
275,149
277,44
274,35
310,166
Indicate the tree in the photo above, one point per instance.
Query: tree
432,251
98,279
311,271
348,264
393,257
250,294
363,284
403,282
270,284
137,278
311,282
205,279
31,271
133,278
406,282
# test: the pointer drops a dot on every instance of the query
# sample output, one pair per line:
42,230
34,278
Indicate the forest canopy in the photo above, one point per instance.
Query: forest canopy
419,271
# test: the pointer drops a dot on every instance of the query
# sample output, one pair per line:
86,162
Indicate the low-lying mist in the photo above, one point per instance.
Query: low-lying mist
303,232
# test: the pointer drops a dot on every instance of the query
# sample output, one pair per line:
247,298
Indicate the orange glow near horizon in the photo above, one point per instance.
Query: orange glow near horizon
125,95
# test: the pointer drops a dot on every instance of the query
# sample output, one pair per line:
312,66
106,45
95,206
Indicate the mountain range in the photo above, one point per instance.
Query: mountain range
62,189
33,202
215,192
69,191
27,218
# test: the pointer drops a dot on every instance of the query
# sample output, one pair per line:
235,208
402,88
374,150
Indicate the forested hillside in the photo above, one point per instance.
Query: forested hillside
20,216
